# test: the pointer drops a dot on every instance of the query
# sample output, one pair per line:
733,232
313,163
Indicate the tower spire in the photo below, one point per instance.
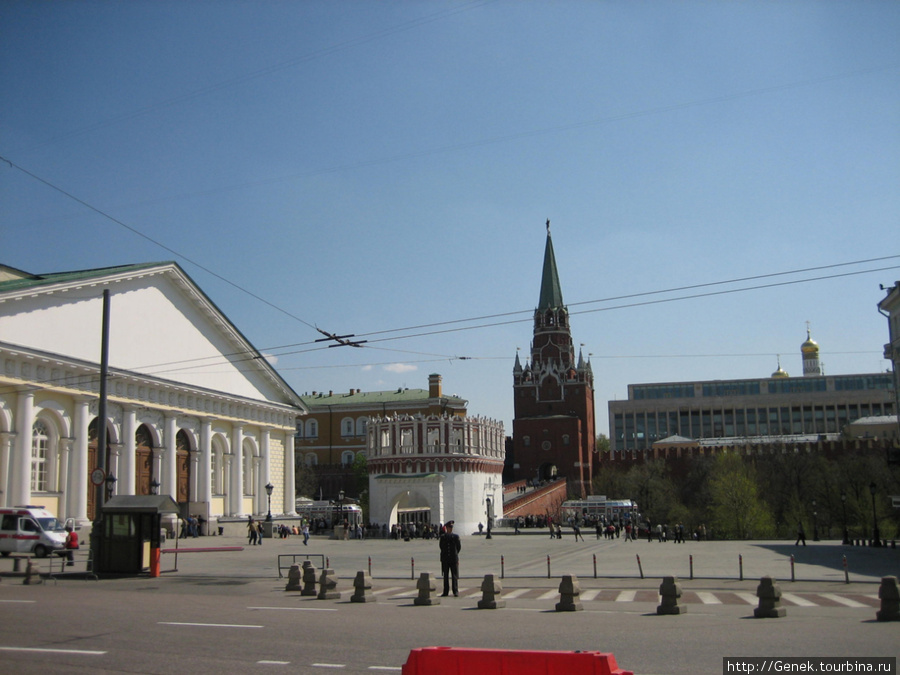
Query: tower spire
551,292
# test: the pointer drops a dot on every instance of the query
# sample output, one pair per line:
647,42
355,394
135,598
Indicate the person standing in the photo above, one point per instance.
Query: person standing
251,532
305,530
71,545
450,546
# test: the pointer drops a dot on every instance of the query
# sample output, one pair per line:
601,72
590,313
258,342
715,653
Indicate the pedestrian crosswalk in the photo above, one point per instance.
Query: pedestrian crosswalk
596,595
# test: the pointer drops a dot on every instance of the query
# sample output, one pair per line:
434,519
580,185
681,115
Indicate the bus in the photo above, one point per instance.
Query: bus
332,512
600,508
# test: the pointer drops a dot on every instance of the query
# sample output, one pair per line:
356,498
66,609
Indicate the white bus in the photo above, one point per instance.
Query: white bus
330,511
599,507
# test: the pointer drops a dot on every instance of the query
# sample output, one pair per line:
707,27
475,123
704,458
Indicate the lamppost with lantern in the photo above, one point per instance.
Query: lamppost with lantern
846,541
269,489
154,487
876,535
110,486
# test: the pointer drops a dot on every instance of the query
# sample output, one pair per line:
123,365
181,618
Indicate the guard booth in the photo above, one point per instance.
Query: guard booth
130,535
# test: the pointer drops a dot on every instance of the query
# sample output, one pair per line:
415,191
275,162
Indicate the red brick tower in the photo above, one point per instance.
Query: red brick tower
553,429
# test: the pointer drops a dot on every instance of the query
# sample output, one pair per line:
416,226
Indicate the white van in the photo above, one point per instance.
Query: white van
30,529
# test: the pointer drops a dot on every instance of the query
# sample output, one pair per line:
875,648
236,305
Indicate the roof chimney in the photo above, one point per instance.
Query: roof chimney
434,386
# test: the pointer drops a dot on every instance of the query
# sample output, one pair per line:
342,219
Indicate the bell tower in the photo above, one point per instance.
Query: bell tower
553,429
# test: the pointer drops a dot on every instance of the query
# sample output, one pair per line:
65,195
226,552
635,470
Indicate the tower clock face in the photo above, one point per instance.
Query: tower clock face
545,445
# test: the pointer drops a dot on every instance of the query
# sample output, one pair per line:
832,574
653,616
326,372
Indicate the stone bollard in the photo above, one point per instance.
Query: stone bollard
32,576
295,576
889,592
670,590
309,579
362,583
491,590
328,582
427,586
569,592
769,594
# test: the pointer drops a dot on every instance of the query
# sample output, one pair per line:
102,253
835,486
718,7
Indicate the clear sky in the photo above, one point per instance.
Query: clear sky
371,166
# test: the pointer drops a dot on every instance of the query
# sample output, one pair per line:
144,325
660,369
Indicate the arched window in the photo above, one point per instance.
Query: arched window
217,467
347,427
249,470
40,448
299,432
347,458
361,425
312,429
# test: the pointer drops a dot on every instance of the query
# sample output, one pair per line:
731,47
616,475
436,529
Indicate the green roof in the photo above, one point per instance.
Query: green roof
373,398
35,280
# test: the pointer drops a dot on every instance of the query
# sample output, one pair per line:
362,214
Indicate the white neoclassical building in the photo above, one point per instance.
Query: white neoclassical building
431,469
194,410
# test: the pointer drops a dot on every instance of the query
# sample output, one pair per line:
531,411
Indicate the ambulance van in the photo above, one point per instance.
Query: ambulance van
30,529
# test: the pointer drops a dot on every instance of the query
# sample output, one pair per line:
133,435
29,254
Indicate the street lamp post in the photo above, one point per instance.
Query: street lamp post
490,515
110,485
846,541
876,535
815,522
269,489
154,487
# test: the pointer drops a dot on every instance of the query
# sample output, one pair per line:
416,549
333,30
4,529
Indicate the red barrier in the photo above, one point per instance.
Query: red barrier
456,661
154,562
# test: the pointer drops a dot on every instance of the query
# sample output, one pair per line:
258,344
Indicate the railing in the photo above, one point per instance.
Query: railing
293,557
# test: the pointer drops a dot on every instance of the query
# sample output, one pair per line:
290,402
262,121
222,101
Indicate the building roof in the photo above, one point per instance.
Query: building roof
359,398
24,280
17,284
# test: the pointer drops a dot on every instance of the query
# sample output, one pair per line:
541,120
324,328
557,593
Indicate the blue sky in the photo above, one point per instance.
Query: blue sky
369,166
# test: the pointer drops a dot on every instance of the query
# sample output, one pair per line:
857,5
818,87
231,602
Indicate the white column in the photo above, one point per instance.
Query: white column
204,477
20,480
290,472
77,487
259,492
169,470
127,469
236,487
65,449
265,471
6,440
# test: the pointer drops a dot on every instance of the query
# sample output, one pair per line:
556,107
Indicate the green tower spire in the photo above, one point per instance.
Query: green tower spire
551,292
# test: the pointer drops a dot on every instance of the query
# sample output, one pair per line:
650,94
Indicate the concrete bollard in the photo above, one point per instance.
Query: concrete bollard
328,582
889,593
670,590
32,576
769,594
310,579
427,590
491,590
569,593
361,584
295,577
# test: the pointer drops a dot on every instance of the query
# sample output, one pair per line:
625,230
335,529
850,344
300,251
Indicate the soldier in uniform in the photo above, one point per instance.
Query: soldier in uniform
450,546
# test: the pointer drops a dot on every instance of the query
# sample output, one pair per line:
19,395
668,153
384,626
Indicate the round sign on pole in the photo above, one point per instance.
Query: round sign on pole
98,475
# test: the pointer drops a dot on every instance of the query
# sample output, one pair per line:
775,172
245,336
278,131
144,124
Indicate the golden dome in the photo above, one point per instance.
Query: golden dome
779,372
810,346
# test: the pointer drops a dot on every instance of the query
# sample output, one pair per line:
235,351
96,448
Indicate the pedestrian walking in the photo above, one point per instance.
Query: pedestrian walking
251,532
801,535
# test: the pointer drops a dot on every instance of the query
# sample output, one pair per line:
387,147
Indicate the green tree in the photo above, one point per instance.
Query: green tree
737,511
305,481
